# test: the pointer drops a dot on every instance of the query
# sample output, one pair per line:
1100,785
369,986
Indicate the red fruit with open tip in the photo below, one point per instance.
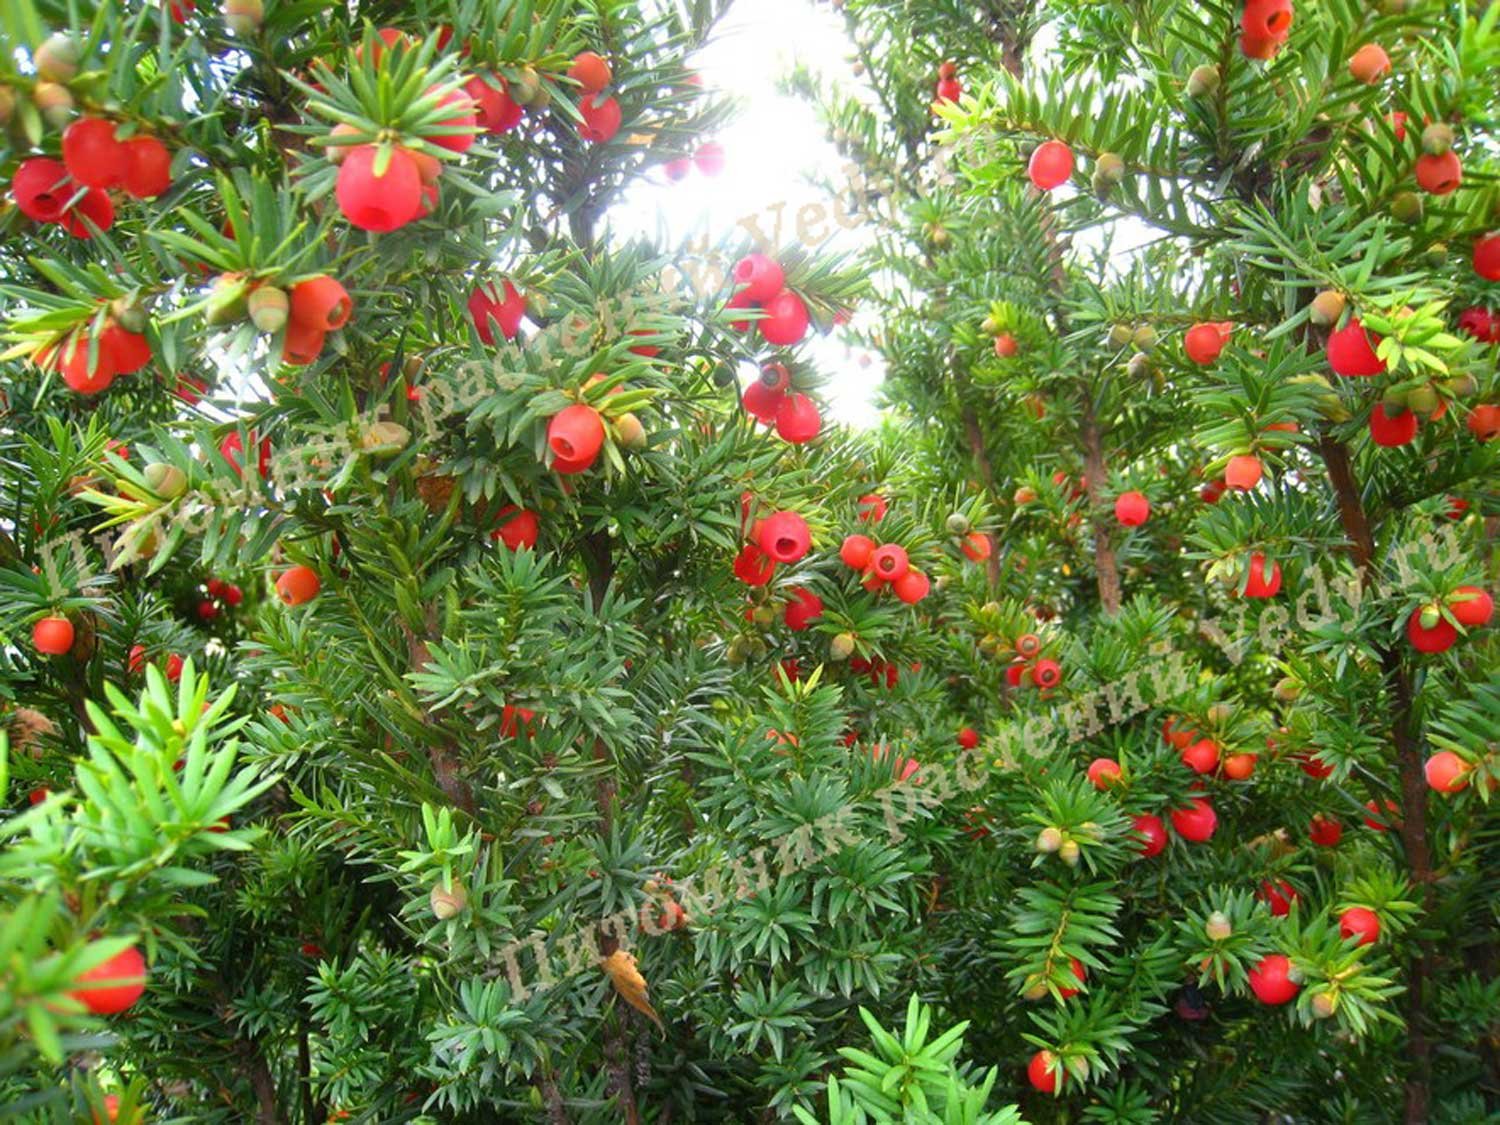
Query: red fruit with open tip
1279,896
1271,980
378,201
1484,421
122,982
1439,175
784,537
298,585
321,303
1006,345
1325,831
1051,165
1267,19
52,636
968,738
301,344
576,433
41,189
1486,256
517,527
759,277
1203,343
1370,64
753,567
1046,674
890,562
1351,351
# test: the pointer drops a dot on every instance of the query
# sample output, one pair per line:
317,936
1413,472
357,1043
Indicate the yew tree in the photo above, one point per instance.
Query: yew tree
1199,299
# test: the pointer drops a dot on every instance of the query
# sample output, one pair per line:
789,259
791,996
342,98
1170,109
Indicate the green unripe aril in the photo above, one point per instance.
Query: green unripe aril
267,306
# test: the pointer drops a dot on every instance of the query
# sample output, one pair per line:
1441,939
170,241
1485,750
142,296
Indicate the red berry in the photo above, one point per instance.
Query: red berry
1016,673
1370,64
464,121
128,351
495,110
41,189
797,419
301,344
871,507
321,303
1484,421
125,977
890,562
1132,508
1387,819
1046,674
590,71
52,636
298,585
784,537
1325,831
1204,342
1260,583
95,207
1239,767
1104,772
758,277
1051,165
207,610
1151,827
1439,638
1446,772
1439,175
234,596
763,402
803,609
516,527
709,158
1392,430
1039,1072
512,719
1271,980
601,119
968,738
1078,971
1279,896
232,450
1486,255
1471,607
576,433
912,586
753,566
378,201
1358,922
949,90
1202,756
92,155
1480,324
1006,345
1177,737
72,361
1196,822
786,319
489,307
856,551
1351,351
1243,472
174,667
678,169
1267,19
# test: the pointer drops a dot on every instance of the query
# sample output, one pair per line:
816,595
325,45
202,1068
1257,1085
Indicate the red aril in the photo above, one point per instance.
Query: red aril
1439,636
1151,827
1279,896
93,210
463,123
41,189
1079,972
709,158
1325,831
1196,822
976,546
753,567
1103,773
128,351
590,71
1041,1074
489,307
1439,175
517,527
1271,980
1132,508
121,981
871,507
1202,756
1480,324
1006,345
1243,472
1370,64
378,201
1390,430
1351,351
1360,923
92,155
786,319
1046,674
601,119
890,562
1382,820
762,401
912,586
78,372
1204,342
1267,19
1051,165
297,585
232,450
320,302
797,419
1484,421
575,433
758,277
856,551
302,344
1239,767
968,738
1446,772
784,537
1471,607
1486,256
802,609
52,636
1262,581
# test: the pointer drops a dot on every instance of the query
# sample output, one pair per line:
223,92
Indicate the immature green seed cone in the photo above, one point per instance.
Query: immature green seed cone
1437,139
1218,927
1407,207
385,439
53,102
629,432
244,17
958,524
764,616
130,314
268,307
57,59
7,105
1120,335
1204,80
1049,840
1144,337
226,304
841,647
167,481
1069,852
1327,307
448,901
1110,168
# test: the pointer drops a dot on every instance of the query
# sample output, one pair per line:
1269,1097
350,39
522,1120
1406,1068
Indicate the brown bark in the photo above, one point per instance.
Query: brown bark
1106,569
1408,743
